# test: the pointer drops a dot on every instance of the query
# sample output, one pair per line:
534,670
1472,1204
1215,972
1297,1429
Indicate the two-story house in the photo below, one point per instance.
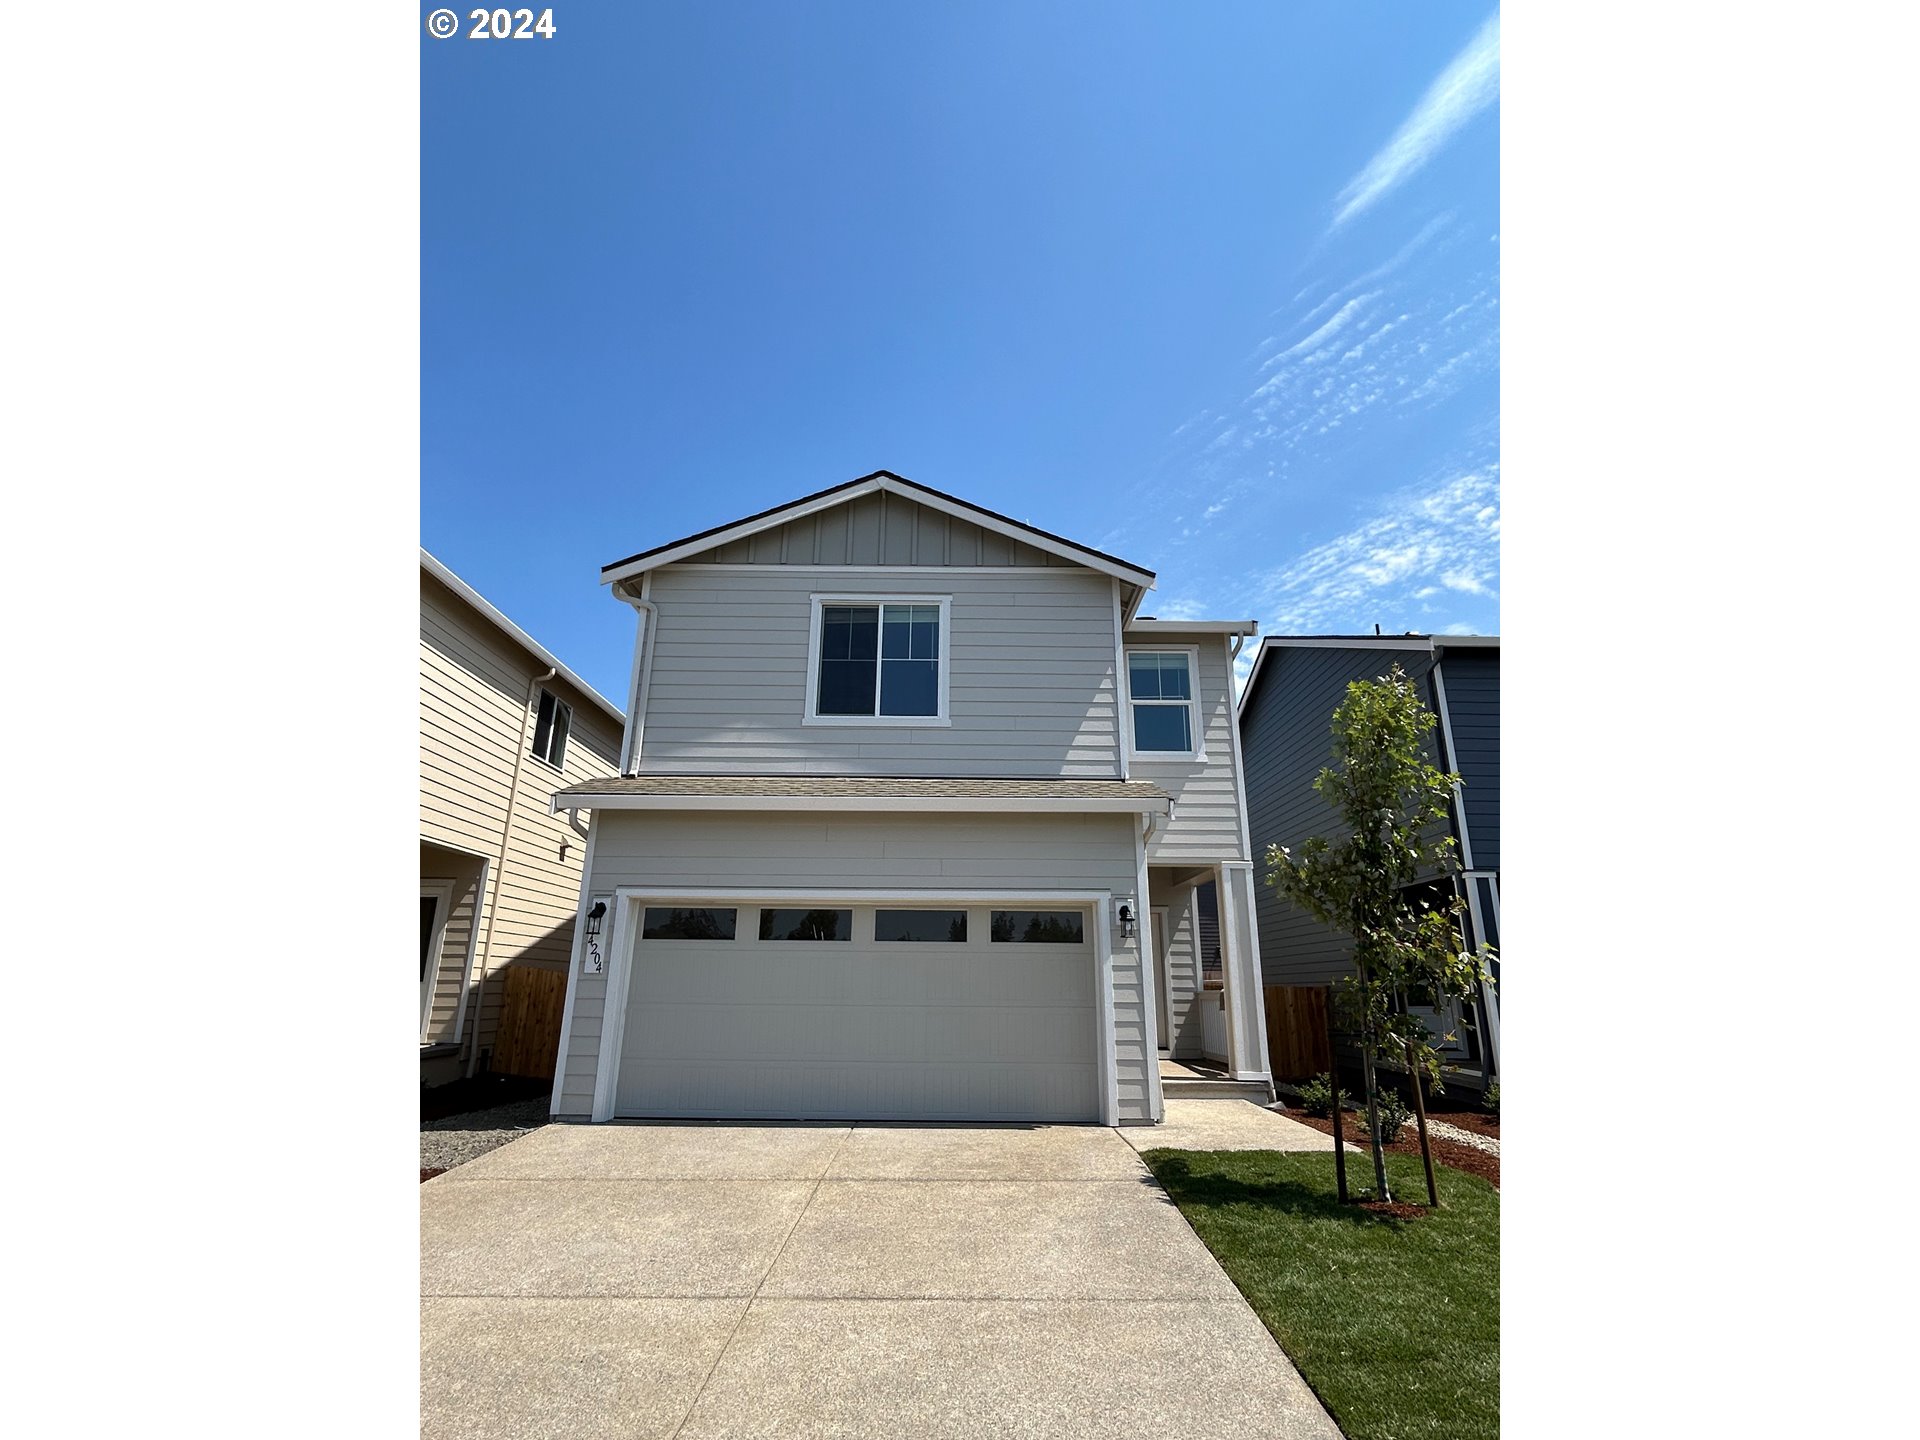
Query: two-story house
905,786
1285,718
502,721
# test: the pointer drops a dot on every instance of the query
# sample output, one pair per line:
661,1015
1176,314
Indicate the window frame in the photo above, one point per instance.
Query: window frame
1194,726
565,726
943,679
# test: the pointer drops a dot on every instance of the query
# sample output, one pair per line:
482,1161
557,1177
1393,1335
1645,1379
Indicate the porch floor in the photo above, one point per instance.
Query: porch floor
1191,1069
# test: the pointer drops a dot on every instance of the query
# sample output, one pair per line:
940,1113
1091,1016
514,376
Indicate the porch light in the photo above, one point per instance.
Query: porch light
1126,920
591,958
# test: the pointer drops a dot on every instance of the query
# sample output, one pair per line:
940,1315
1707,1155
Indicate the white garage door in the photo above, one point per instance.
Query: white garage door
840,1011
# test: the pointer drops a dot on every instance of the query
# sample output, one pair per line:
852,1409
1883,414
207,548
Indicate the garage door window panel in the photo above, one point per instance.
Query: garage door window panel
1038,927
920,927
677,923
806,924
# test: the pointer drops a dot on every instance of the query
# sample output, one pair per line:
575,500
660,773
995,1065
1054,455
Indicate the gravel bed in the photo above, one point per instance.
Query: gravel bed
460,1138
1485,1143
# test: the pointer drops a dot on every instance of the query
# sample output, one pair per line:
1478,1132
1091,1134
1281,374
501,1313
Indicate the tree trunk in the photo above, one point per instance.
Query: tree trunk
1373,1116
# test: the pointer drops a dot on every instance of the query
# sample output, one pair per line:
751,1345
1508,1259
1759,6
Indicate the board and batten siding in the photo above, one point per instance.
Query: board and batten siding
1031,683
474,684
1205,825
701,851
1286,737
879,529
1472,678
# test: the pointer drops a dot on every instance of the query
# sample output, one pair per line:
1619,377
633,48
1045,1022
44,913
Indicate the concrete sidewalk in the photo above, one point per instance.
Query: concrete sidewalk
706,1281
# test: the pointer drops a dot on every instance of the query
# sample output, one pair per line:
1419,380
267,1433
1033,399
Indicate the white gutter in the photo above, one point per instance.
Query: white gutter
500,875
647,616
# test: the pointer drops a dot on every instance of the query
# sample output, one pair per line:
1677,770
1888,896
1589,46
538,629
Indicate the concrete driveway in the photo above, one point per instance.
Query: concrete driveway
794,1280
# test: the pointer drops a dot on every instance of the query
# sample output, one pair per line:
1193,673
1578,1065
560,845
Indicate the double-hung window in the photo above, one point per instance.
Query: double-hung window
1160,694
878,660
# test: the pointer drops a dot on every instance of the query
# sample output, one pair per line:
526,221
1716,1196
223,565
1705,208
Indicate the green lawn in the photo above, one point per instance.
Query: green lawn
1395,1324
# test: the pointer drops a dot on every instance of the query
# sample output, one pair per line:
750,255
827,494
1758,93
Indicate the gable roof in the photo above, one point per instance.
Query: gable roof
514,633
1428,644
880,480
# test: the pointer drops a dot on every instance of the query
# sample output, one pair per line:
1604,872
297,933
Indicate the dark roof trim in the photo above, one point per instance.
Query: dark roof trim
899,480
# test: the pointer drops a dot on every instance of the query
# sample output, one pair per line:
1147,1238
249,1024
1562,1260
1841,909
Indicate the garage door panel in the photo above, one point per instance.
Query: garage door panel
859,1028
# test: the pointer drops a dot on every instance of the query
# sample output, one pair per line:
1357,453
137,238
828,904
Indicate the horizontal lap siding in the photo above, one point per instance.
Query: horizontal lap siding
694,850
1031,685
1205,825
474,683
1473,713
450,964
1287,739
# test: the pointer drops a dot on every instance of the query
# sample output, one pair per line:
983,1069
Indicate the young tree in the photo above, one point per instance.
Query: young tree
1393,801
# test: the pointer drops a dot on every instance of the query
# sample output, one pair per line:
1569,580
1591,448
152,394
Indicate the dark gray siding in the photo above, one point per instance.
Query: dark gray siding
1286,738
1208,911
1473,708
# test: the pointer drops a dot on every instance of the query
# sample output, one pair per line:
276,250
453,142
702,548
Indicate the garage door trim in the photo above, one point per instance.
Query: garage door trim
629,900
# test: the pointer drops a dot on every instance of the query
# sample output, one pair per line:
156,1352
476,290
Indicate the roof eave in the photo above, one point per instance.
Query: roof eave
867,485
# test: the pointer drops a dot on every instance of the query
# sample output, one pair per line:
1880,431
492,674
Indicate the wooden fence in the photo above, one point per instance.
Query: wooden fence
528,1040
1297,1031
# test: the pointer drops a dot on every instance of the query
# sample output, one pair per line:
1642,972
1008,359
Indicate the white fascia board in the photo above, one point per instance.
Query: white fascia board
1194,627
798,510
520,637
906,803
960,509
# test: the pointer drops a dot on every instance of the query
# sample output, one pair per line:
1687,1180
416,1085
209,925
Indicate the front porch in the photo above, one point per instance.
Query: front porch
1211,1019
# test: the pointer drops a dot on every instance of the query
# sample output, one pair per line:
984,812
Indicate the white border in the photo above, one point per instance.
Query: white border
820,601
574,799
629,899
442,892
1195,721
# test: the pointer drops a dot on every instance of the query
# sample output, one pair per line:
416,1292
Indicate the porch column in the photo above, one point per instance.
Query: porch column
1240,972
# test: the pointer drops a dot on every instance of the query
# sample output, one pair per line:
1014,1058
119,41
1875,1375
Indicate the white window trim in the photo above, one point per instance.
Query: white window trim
558,705
820,602
1195,727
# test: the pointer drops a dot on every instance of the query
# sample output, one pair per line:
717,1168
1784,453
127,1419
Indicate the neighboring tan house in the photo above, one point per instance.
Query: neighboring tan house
501,723
1286,717
905,788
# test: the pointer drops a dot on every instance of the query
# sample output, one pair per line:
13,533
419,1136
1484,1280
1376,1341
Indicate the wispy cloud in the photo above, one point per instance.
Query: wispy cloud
1466,87
1423,542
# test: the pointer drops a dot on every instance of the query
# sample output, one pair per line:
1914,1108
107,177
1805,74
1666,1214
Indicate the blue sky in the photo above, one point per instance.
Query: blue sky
1215,288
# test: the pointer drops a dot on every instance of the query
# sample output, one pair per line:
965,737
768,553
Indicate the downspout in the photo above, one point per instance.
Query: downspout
500,870
648,618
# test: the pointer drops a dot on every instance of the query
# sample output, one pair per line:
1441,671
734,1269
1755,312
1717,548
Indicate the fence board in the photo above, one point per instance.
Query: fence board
528,1039
1297,1031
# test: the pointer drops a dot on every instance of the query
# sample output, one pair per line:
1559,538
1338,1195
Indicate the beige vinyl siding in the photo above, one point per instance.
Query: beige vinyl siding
879,529
692,851
462,874
1205,825
1031,685
474,686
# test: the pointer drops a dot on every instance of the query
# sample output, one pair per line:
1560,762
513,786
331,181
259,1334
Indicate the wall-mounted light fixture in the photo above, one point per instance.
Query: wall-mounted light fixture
1126,919
590,958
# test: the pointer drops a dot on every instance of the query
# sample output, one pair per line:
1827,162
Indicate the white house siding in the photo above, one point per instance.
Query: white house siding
1206,812
880,529
1031,685
693,851
474,684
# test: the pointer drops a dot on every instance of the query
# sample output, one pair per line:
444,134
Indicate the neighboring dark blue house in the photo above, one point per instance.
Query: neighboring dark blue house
1286,739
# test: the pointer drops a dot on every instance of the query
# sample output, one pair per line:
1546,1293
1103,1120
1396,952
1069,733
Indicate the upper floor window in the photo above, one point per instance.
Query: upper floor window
550,729
878,660
1165,711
